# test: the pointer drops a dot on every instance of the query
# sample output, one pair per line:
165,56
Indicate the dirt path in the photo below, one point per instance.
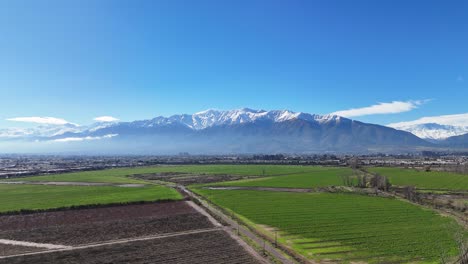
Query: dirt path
58,183
203,212
270,189
120,241
32,244
230,232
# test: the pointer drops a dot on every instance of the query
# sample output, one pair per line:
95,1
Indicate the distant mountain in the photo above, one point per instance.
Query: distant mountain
235,131
432,131
456,141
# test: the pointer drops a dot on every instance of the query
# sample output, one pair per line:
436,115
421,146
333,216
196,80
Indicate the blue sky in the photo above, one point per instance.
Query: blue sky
77,60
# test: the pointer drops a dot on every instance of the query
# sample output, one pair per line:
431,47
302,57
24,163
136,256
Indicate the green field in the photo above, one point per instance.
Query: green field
120,175
422,179
344,227
34,197
318,177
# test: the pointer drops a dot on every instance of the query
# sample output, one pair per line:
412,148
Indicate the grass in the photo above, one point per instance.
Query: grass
344,227
36,197
319,177
120,175
422,179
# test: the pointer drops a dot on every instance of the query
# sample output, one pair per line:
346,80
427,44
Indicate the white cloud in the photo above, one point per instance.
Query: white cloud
106,119
381,108
40,120
75,139
452,120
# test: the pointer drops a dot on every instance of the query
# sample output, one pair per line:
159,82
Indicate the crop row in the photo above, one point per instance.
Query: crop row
358,225
424,179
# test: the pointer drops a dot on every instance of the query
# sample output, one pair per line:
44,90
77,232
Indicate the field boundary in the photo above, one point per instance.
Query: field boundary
32,244
87,206
71,183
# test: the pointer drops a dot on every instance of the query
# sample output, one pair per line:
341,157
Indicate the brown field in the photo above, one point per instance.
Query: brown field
6,250
211,247
76,227
170,232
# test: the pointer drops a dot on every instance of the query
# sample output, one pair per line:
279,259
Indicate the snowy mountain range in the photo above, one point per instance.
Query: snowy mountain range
433,131
197,121
436,128
213,131
211,117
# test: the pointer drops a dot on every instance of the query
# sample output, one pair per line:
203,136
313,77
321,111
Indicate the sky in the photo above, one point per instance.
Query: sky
376,61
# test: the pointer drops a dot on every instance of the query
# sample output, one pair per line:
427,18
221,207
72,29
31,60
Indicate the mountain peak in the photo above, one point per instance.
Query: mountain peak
431,131
214,117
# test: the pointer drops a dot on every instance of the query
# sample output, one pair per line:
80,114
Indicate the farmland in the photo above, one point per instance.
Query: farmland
309,219
84,226
320,177
205,248
344,227
435,180
121,175
35,197
170,232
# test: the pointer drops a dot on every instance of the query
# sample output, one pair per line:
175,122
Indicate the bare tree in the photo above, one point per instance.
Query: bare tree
380,182
410,193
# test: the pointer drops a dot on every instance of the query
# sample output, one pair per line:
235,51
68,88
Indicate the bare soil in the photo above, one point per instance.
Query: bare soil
76,227
213,247
12,250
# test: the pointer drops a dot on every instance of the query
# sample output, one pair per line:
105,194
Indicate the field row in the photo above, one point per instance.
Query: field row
344,226
37,197
424,179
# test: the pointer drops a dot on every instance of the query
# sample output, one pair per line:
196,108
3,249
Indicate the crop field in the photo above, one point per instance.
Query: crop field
165,232
34,197
424,180
84,226
121,175
344,227
206,248
320,177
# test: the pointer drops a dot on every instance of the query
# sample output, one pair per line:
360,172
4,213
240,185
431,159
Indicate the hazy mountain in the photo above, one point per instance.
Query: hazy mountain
456,141
235,131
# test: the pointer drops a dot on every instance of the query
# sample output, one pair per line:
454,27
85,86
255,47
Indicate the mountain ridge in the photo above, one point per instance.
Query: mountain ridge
235,131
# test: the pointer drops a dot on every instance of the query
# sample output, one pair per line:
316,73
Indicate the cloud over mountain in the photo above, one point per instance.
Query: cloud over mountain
381,108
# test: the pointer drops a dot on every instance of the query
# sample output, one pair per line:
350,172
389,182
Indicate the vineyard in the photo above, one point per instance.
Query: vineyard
435,180
344,227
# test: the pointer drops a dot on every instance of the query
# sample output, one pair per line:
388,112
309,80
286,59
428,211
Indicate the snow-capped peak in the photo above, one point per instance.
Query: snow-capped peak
432,131
198,121
214,117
